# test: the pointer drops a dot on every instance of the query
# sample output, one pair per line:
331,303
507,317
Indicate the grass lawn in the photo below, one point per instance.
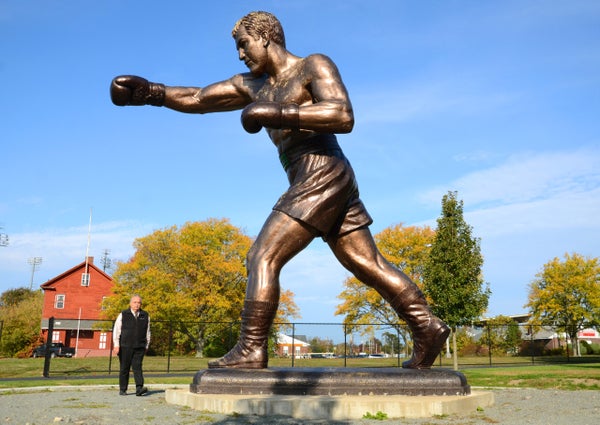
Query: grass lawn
95,371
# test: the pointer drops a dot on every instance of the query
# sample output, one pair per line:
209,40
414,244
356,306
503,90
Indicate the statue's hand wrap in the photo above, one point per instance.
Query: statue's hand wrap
270,114
134,90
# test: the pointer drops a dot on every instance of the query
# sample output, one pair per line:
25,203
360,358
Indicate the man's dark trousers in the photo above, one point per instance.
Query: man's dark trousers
131,358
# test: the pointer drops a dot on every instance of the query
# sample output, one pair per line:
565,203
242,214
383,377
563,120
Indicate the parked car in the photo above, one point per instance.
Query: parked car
57,349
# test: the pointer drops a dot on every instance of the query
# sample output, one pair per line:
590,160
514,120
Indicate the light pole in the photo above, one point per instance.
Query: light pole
3,238
34,262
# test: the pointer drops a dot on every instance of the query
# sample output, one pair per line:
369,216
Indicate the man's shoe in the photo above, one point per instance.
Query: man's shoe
122,392
141,391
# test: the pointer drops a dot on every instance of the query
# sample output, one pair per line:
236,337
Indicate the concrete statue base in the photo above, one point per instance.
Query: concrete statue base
331,393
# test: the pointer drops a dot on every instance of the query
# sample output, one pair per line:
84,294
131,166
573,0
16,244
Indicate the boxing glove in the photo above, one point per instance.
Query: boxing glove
134,90
270,114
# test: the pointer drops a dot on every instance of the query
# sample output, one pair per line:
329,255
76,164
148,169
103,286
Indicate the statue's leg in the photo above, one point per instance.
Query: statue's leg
359,254
279,240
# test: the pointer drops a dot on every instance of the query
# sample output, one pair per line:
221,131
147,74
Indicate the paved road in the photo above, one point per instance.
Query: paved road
99,405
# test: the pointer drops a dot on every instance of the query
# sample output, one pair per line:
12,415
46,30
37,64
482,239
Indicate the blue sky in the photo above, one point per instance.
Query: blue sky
499,101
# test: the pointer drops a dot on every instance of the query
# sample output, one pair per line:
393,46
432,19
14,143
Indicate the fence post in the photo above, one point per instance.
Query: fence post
169,346
489,332
46,372
398,347
110,353
293,339
345,345
531,344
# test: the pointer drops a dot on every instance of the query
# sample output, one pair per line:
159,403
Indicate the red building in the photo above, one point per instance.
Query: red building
74,298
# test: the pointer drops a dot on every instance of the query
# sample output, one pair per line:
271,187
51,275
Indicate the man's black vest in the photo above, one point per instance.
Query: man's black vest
133,331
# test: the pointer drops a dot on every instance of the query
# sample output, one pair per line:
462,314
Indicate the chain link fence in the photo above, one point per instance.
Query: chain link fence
181,347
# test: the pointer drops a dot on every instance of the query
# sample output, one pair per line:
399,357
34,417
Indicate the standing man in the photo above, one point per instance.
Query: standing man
302,103
131,338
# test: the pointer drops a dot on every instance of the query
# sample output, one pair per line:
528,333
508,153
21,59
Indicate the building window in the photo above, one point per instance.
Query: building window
55,336
59,301
102,344
103,303
85,279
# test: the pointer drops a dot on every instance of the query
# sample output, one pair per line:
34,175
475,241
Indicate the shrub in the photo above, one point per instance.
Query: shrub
594,348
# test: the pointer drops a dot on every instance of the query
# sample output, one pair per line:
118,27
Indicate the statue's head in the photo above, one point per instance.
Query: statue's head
261,24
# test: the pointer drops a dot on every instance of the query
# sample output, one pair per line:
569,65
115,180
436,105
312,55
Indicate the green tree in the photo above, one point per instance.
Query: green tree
453,279
406,248
185,275
502,335
566,295
391,343
13,297
321,345
21,316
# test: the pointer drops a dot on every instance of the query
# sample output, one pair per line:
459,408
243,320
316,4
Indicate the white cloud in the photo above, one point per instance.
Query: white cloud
62,248
527,177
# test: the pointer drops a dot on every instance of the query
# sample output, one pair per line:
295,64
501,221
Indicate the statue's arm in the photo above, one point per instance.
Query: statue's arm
331,109
227,95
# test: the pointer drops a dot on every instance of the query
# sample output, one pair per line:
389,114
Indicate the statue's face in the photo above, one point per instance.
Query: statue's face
252,51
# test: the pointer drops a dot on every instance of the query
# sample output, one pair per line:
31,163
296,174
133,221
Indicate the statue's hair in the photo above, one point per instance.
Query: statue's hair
261,24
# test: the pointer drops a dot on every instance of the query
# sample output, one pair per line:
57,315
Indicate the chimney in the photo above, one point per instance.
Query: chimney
89,260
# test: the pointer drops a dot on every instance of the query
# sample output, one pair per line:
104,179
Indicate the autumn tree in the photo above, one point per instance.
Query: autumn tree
566,295
192,280
407,248
21,316
453,280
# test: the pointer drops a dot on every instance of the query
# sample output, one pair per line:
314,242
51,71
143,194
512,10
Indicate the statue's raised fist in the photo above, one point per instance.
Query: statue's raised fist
134,90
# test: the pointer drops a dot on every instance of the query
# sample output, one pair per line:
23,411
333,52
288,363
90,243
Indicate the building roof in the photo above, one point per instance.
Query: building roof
288,340
49,285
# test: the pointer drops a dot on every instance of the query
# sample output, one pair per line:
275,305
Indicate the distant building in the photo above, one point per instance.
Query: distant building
286,345
74,298
539,340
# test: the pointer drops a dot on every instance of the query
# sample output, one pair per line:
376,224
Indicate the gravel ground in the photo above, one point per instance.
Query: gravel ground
96,405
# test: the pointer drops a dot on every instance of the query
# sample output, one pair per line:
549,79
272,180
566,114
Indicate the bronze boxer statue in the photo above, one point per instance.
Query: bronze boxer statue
302,103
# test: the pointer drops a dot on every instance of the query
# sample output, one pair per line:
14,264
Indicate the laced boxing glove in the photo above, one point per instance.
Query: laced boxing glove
134,90
270,114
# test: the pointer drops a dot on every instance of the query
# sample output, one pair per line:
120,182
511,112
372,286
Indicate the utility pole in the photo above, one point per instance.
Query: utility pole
105,260
34,262
3,238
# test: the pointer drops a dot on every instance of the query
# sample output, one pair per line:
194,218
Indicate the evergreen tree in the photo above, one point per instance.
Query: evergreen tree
452,277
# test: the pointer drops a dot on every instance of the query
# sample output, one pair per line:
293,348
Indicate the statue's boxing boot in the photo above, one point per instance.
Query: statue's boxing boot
250,352
429,333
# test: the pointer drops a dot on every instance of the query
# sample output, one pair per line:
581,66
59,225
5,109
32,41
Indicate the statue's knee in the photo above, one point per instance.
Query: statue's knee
256,259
